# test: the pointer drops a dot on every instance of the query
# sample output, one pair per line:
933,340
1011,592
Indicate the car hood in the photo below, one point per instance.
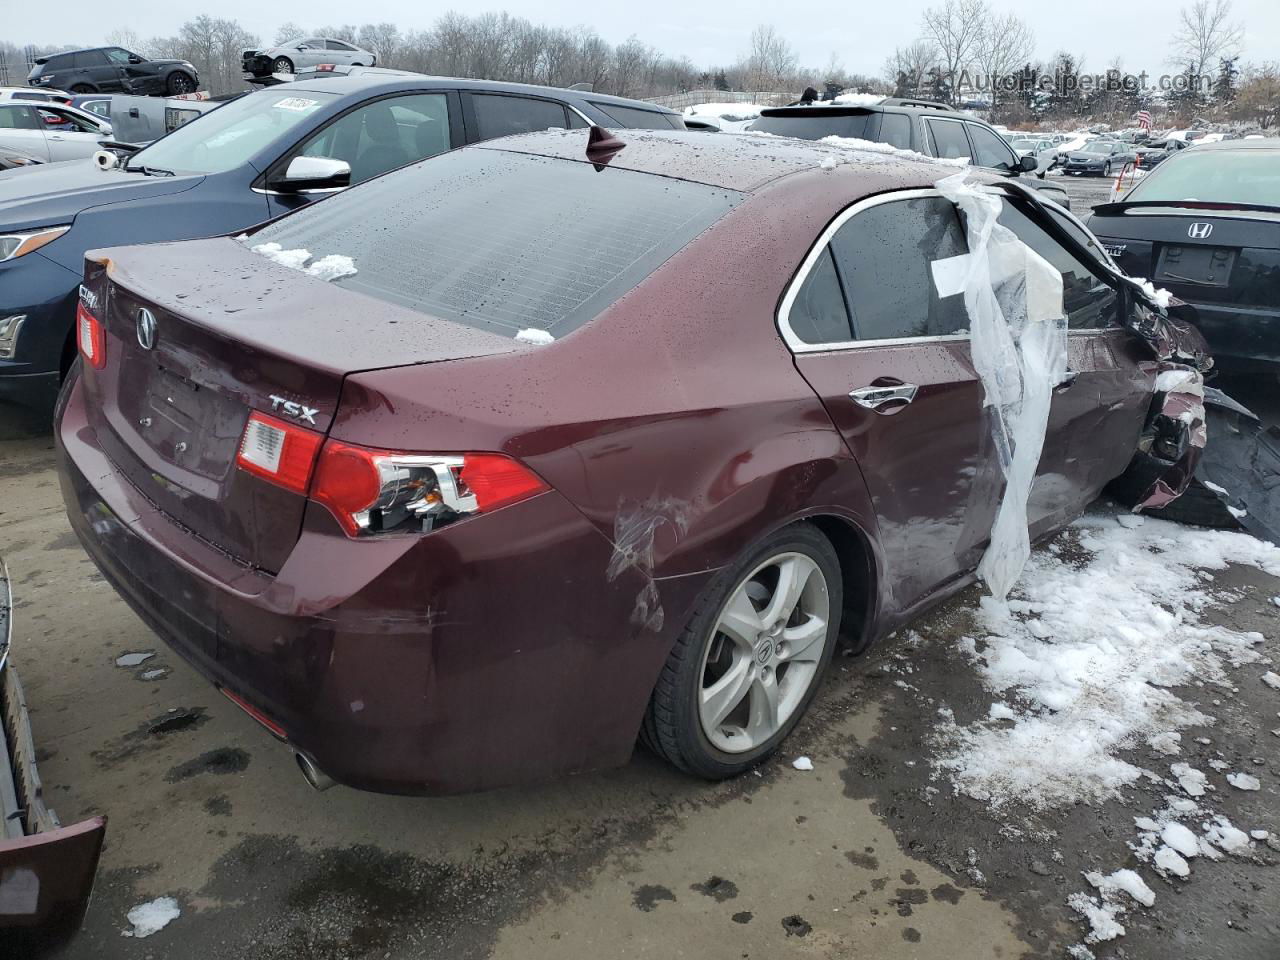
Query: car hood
57,192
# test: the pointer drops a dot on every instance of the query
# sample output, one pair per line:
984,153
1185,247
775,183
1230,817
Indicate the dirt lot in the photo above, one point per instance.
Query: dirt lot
870,854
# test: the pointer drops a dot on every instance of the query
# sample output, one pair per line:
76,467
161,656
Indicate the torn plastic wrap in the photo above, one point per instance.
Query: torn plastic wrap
1242,465
1018,339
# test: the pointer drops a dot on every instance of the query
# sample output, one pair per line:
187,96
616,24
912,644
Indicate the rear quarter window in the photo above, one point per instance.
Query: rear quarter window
504,241
636,118
815,124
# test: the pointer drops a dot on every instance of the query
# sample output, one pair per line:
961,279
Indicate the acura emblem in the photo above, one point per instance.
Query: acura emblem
1200,231
146,329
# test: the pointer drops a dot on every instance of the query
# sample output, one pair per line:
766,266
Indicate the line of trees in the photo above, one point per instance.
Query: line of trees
969,54
962,45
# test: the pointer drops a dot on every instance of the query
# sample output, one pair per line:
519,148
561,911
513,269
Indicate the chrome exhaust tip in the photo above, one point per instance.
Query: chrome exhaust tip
315,777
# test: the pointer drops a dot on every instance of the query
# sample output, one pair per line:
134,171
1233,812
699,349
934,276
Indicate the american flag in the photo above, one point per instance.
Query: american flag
1144,119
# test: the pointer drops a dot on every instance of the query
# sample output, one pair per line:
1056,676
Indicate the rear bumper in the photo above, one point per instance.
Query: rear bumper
1240,336
491,652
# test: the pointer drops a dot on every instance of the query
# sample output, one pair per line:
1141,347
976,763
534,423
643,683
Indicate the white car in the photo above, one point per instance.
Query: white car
33,95
298,55
50,132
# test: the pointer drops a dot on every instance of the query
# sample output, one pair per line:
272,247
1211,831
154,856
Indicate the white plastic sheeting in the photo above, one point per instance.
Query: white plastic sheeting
1018,339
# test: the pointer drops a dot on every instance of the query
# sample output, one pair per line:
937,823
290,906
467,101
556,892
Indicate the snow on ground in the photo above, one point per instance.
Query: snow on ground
148,918
1085,658
726,111
802,763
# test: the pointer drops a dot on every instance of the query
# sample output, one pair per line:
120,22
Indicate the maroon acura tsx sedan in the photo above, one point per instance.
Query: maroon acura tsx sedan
477,472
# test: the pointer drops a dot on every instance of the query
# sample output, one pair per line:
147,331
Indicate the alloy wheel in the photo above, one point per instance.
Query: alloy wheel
765,651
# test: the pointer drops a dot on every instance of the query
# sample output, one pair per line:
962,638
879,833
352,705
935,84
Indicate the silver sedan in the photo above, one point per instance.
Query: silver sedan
310,52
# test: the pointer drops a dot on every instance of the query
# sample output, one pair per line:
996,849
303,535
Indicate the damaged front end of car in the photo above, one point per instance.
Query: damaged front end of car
46,869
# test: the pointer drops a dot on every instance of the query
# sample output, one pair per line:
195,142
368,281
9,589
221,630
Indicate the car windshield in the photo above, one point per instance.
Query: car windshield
1102,148
1215,176
503,241
1023,144
225,138
814,124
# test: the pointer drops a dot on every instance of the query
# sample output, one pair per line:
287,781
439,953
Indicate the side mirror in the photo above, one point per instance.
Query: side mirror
314,173
1028,163
134,58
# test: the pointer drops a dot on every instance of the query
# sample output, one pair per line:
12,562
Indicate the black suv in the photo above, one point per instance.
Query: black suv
926,127
113,70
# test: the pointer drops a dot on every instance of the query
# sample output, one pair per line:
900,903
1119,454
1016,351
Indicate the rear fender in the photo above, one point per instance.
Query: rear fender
1242,464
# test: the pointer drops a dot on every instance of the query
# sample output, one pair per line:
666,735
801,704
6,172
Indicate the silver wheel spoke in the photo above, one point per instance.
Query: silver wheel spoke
804,642
719,699
762,718
793,574
740,622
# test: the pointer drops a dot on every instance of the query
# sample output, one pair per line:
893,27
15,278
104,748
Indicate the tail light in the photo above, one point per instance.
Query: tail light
91,337
324,68
382,491
379,491
278,451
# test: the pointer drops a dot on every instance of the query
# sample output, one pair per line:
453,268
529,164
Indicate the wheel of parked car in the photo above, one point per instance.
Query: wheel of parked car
282,65
1106,169
746,667
82,88
180,83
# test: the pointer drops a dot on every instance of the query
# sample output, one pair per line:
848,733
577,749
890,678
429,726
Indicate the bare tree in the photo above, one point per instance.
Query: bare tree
129,39
1205,33
383,39
1004,45
907,67
286,32
770,62
955,28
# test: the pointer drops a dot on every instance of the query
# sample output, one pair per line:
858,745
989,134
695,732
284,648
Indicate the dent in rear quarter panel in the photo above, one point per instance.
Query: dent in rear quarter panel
676,422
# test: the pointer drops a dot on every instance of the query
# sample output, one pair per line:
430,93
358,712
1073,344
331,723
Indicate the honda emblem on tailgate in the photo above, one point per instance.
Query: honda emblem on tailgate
280,404
1200,231
146,329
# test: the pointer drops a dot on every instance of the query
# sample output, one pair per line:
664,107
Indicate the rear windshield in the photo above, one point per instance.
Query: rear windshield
815,124
503,241
1215,176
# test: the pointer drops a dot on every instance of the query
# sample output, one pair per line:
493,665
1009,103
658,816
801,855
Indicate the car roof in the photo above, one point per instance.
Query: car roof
391,81
741,162
1270,143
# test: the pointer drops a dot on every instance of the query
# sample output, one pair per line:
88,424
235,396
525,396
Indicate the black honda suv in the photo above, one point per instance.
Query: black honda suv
113,70
923,126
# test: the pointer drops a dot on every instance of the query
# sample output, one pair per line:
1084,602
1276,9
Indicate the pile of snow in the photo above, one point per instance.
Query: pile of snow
802,763
859,99
535,336
1089,653
733,112
148,918
329,267
871,146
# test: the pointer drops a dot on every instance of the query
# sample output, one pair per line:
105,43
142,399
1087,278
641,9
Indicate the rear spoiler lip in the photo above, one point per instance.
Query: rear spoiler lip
839,110
1120,207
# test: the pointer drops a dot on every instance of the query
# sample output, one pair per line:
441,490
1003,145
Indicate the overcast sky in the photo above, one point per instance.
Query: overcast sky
706,32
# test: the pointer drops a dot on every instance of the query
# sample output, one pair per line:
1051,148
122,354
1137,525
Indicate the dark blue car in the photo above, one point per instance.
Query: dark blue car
252,159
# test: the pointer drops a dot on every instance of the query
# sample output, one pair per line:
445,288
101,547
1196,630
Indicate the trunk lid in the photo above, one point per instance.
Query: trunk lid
1201,254
233,333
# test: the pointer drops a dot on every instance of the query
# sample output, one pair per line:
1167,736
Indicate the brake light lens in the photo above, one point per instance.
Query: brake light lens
379,491
277,451
91,337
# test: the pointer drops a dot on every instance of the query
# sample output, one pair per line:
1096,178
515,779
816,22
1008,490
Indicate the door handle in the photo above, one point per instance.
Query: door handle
54,136
873,398
1068,380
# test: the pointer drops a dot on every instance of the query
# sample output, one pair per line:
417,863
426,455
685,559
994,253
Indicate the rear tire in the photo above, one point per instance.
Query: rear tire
282,65
1106,170
82,88
180,83
697,720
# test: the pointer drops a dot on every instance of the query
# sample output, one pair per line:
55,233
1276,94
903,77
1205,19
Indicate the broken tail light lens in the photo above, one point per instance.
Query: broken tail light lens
378,491
91,338
278,451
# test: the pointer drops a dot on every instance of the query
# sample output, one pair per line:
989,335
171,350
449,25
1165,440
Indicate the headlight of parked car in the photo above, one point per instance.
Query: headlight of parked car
14,245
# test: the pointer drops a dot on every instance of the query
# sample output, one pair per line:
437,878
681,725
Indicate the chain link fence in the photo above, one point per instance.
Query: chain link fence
691,98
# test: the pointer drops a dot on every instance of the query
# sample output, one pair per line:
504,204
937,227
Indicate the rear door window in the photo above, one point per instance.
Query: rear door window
637,119
504,241
90,58
885,259
498,115
1090,302
895,130
385,134
14,117
949,141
